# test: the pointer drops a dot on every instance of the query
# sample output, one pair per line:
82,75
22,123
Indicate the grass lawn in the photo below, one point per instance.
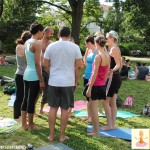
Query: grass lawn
76,129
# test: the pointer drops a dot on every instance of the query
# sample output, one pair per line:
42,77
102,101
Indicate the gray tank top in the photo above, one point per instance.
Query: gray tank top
20,65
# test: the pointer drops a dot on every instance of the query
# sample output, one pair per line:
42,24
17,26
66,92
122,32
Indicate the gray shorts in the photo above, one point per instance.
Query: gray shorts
44,92
61,97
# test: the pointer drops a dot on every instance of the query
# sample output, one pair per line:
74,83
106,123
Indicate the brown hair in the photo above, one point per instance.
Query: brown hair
24,37
100,40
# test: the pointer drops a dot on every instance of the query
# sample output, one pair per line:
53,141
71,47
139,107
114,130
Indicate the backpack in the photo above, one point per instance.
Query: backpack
118,101
9,89
146,110
129,101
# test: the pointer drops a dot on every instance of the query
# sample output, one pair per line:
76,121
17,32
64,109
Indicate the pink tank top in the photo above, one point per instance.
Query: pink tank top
101,75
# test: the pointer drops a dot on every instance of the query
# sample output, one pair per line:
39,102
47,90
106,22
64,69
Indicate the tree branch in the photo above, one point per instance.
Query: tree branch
38,1
64,16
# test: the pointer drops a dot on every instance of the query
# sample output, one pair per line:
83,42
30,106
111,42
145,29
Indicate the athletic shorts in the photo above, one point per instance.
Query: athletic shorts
115,85
97,92
61,97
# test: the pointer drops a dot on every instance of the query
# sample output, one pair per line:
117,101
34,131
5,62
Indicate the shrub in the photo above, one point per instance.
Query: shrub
126,48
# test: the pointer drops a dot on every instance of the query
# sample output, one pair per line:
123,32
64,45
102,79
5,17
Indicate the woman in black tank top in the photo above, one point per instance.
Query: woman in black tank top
115,65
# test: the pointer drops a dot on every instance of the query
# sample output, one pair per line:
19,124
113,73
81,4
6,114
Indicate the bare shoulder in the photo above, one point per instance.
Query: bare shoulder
98,57
20,47
115,51
37,43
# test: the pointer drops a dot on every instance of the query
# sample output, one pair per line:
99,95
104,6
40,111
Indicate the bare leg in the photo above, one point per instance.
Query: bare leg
24,120
113,110
41,108
52,121
63,124
19,119
94,116
100,107
30,121
69,112
88,113
107,108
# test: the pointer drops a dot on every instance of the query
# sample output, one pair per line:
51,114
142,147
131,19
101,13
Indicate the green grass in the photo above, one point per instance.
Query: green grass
76,130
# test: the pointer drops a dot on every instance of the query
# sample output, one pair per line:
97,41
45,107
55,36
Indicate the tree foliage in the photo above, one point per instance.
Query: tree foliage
131,20
16,17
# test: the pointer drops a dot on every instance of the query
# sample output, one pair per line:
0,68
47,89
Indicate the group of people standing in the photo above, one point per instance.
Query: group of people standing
55,68
102,64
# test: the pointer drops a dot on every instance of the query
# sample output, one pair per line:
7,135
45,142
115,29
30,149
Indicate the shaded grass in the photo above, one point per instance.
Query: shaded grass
79,140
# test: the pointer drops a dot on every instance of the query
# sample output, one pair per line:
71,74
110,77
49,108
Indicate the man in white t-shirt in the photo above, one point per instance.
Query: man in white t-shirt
64,60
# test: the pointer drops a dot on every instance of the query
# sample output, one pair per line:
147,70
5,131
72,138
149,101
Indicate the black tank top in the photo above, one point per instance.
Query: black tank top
113,64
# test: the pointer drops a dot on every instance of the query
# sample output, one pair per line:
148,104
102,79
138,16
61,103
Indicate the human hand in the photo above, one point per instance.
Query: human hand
42,85
110,73
88,92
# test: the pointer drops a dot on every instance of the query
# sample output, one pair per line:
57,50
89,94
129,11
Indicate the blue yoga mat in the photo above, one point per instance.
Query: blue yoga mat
120,114
121,133
56,146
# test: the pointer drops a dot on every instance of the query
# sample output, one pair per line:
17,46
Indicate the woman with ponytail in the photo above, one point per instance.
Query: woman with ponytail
21,65
96,90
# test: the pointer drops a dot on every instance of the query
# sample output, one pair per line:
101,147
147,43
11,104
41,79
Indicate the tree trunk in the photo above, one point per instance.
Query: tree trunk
1,7
77,12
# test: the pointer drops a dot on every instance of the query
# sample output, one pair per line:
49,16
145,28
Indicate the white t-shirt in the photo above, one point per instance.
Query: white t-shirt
62,56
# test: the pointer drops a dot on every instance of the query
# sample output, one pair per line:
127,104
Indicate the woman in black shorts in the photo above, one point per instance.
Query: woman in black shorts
96,90
115,65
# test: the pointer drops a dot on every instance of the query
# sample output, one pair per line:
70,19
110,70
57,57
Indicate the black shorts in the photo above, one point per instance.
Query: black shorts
115,85
97,92
85,81
61,97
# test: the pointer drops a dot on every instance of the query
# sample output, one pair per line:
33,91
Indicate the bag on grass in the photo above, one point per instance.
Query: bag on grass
119,101
129,101
9,89
146,110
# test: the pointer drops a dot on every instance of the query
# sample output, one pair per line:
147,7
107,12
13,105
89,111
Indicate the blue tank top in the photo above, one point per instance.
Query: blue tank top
30,73
89,60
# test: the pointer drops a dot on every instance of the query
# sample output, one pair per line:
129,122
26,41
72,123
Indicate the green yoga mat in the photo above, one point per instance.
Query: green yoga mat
83,113
8,125
120,114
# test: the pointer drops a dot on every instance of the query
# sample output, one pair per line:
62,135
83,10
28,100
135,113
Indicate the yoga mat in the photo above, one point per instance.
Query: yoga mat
56,146
120,114
8,125
78,105
126,114
47,109
12,100
121,133
83,113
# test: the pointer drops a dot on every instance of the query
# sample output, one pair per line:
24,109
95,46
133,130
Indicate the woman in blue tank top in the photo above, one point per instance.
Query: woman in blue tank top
88,61
33,78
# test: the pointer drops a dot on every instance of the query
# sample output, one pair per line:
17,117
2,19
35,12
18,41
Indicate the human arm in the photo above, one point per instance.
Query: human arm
46,65
37,46
78,67
93,77
117,57
85,56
